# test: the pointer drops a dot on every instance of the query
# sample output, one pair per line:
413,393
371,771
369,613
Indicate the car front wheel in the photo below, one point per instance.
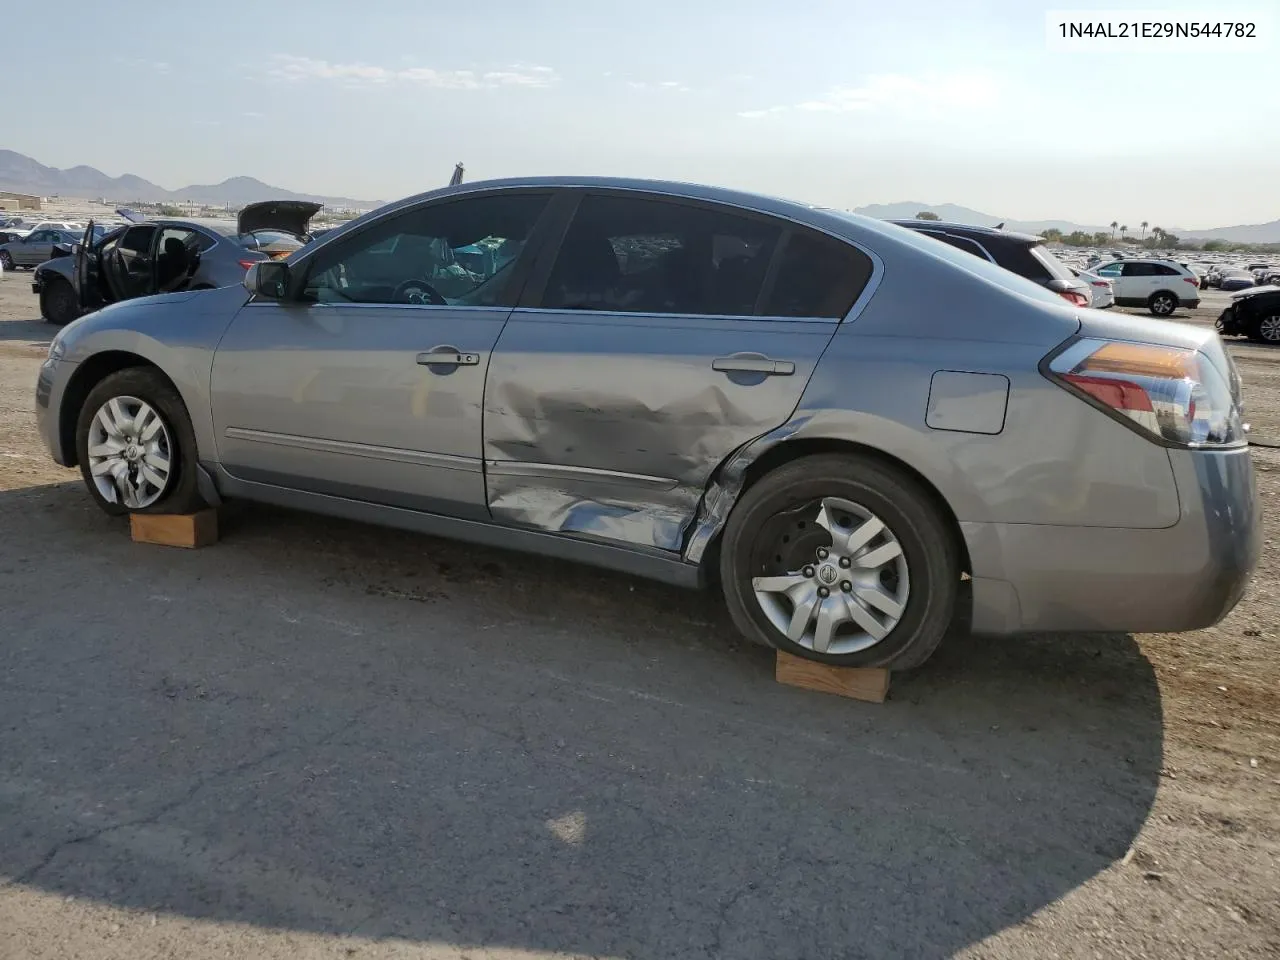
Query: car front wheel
136,447
1162,304
841,559
6,261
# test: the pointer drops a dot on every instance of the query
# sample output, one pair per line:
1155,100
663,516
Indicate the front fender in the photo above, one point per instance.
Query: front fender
176,332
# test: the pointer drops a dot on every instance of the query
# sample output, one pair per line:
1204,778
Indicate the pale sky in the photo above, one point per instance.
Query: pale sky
838,102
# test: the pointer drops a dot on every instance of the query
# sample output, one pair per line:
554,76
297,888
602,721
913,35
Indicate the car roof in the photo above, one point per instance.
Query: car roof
812,214
969,228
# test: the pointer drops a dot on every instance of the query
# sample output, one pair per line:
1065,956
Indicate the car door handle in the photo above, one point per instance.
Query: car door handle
770,368
448,357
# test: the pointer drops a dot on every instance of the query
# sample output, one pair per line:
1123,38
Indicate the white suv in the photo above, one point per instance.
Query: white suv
1162,286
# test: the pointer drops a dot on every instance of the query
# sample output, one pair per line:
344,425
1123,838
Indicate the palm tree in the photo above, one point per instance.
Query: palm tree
1123,231
1143,236
1114,224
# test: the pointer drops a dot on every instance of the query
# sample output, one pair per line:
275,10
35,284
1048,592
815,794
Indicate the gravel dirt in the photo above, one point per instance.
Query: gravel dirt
318,739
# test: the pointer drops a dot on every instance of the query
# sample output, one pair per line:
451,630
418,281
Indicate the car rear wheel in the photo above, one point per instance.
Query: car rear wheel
6,261
1162,304
1268,329
136,447
58,303
841,559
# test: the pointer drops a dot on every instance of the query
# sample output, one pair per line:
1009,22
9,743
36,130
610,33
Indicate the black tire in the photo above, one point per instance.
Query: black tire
6,261
1269,335
149,385
927,541
1162,303
58,303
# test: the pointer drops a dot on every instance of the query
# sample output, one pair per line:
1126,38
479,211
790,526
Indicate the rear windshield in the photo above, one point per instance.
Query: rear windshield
1058,269
967,261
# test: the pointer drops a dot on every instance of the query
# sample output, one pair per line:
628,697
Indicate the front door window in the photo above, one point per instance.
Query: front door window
460,253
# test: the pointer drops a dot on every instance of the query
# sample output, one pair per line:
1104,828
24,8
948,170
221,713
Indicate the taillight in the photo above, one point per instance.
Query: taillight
1193,280
247,263
1075,297
1100,283
1168,393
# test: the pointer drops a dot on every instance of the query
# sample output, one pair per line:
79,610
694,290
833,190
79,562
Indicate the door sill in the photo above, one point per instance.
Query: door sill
650,563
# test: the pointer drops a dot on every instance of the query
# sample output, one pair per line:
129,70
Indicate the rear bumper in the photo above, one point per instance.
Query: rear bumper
1033,577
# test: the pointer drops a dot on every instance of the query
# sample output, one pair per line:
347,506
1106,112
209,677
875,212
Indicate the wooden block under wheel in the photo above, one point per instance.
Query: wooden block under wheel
175,529
860,683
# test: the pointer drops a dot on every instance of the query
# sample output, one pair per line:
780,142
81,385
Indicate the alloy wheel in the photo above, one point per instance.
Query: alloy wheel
130,453
6,261
1269,329
1163,306
836,579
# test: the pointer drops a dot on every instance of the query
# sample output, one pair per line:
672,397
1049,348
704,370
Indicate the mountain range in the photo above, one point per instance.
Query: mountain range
21,174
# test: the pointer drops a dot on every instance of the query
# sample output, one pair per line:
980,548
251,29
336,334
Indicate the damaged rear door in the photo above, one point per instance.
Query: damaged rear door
664,334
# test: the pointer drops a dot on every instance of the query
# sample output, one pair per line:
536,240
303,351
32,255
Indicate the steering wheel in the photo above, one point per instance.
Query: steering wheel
418,291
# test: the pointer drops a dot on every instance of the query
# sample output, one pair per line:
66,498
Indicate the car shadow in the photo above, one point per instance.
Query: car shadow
35,332
322,726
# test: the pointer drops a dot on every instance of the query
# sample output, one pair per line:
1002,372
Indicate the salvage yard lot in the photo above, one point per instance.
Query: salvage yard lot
319,739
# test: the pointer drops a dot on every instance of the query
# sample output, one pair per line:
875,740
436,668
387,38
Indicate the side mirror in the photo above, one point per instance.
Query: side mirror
267,278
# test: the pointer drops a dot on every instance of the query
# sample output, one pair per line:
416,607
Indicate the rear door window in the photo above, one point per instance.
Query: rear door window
626,254
817,276
1132,269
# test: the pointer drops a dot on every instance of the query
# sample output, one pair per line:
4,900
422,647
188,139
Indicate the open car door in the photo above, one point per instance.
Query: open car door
174,256
86,271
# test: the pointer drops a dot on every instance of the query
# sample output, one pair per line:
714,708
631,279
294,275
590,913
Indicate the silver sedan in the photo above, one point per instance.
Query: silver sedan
856,433
35,248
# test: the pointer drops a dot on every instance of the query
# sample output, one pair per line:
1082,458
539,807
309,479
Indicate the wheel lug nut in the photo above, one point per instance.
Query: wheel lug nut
824,592
846,586
822,553
845,561
808,571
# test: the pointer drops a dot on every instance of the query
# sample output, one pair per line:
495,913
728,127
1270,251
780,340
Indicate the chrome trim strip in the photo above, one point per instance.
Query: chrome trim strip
830,321
395,454
298,305
521,468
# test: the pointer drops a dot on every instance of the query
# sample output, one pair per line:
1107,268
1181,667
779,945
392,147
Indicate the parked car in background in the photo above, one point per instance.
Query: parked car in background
34,248
31,226
276,227
137,260
1162,286
1101,291
1260,272
1254,314
833,418
1201,271
1270,277
1023,253
1234,278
